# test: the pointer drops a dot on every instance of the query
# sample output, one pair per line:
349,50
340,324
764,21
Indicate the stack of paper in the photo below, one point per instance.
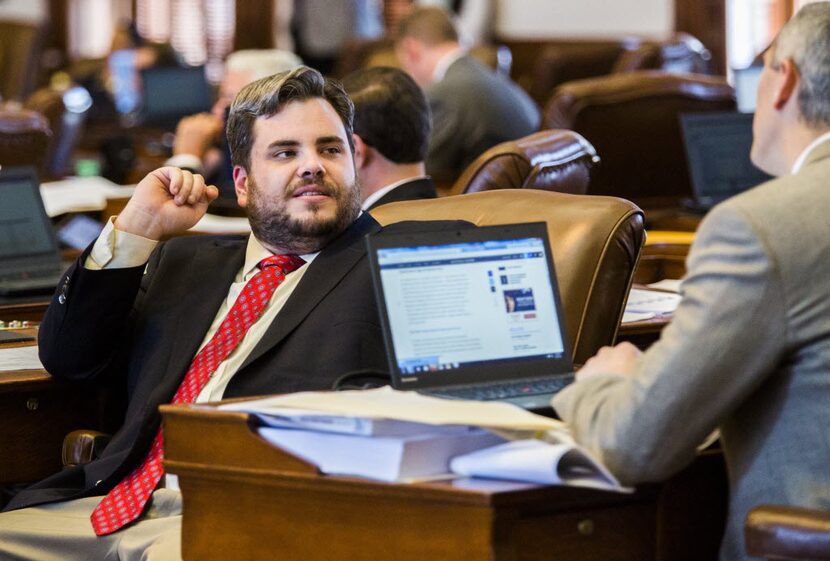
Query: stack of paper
646,304
392,435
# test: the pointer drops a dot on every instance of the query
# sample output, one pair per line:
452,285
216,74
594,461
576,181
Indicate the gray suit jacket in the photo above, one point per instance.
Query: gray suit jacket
473,109
748,351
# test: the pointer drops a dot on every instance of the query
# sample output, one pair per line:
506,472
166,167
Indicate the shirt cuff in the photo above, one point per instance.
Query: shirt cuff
115,249
186,161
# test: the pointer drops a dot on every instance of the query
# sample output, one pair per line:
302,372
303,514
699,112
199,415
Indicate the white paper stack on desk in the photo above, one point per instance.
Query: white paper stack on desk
391,435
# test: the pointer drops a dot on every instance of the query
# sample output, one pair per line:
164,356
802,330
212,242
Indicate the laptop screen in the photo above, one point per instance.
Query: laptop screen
460,310
25,230
717,150
172,92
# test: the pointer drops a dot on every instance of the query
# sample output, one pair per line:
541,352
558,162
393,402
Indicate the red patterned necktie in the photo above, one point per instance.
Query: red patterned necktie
126,501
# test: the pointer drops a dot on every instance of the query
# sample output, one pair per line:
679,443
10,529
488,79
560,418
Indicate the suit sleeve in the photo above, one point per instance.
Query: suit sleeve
443,154
727,335
86,329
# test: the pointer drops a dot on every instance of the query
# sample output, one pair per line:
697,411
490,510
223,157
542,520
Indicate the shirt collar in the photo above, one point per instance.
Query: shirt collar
256,252
802,158
445,62
377,195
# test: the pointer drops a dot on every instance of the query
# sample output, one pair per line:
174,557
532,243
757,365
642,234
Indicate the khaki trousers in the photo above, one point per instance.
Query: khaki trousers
62,532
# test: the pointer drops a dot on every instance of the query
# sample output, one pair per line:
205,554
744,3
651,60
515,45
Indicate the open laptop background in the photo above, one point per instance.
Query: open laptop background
172,92
717,152
29,255
473,313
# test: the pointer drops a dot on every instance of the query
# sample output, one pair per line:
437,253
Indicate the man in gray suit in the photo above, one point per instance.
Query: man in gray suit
748,350
473,108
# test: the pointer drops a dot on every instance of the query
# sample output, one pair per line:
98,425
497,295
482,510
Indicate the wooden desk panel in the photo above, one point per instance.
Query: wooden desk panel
37,412
247,500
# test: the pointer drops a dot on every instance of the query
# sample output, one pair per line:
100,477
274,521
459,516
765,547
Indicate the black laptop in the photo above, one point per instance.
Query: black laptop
717,151
29,255
169,93
472,313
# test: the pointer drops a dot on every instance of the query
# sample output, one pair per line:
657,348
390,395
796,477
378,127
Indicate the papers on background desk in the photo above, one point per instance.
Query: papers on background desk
645,304
81,194
20,358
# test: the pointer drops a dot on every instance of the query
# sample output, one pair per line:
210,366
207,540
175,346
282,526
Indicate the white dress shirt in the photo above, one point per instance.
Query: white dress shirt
380,193
799,162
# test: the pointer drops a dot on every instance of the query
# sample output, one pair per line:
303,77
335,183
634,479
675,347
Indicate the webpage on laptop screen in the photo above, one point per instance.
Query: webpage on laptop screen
472,302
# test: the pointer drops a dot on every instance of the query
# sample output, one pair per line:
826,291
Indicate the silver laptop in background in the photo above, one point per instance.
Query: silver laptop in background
473,313
30,259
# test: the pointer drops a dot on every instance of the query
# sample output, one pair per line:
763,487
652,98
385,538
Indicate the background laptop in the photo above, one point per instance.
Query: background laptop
472,313
29,255
717,151
172,92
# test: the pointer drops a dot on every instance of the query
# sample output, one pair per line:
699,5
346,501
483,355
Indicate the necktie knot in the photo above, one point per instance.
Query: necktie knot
286,263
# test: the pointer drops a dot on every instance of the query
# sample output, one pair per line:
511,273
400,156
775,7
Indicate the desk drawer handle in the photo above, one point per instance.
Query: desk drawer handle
585,527
32,404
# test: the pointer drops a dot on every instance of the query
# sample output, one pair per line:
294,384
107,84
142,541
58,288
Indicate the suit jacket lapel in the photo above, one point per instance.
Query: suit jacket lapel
333,263
217,263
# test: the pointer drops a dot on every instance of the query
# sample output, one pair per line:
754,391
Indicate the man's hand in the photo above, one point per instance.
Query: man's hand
166,202
620,359
196,134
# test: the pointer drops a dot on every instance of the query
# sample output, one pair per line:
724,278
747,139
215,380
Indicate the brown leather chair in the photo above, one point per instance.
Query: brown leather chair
565,60
596,242
682,53
632,121
788,533
551,160
24,136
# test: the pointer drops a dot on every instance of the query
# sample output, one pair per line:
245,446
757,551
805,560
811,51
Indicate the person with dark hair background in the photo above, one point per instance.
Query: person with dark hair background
391,133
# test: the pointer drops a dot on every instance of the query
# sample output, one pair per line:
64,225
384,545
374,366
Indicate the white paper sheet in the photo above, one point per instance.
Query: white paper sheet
386,403
20,358
212,224
653,301
80,194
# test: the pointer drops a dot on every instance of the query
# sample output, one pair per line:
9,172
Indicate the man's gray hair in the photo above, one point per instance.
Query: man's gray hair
806,40
261,62
268,96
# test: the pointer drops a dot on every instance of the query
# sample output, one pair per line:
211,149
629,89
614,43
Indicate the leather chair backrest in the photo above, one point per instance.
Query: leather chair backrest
683,53
551,160
595,241
563,61
24,136
633,122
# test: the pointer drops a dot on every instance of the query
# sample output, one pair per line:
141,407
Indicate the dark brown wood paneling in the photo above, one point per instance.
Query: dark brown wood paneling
706,20
254,22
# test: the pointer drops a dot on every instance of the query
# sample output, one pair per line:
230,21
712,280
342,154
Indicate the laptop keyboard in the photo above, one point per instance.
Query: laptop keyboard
507,390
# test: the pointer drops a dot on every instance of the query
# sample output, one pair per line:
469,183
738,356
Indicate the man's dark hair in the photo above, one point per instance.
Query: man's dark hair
391,113
269,95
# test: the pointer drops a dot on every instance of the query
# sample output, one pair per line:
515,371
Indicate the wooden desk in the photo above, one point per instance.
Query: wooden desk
247,500
37,412
25,308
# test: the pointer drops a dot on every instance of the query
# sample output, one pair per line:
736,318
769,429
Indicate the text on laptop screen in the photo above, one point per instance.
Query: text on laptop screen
21,221
467,303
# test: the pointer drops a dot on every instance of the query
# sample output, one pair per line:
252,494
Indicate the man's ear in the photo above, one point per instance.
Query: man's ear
362,152
240,185
787,84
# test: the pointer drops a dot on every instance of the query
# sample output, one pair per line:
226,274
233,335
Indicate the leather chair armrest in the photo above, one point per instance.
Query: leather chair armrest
788,533
82,446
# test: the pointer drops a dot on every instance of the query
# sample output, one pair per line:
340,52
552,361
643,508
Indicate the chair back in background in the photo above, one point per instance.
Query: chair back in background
633,122
550,160
24,136
595,241
682,53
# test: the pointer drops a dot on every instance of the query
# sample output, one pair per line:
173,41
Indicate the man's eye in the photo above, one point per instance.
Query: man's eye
332,150
282,154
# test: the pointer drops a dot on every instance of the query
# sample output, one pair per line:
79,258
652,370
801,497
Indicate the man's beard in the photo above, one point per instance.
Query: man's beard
274,227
